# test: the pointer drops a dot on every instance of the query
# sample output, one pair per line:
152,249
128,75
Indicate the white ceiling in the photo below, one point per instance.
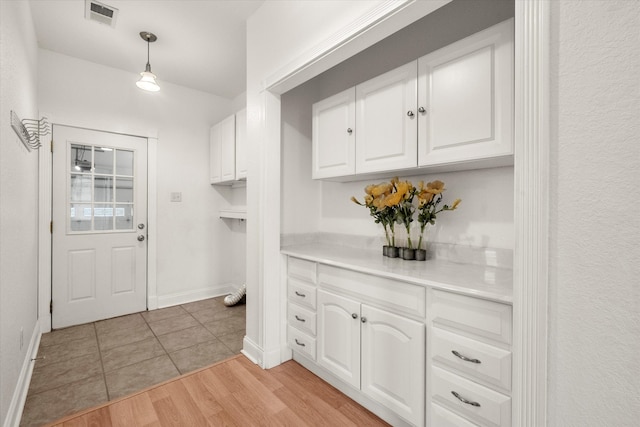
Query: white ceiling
201,43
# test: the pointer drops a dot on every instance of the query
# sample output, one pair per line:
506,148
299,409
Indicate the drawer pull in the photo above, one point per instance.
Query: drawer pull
300,319
465,358
301,344
300,295
463,400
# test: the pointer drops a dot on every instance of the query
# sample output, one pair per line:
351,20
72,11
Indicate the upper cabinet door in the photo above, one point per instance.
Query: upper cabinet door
333,138
214,155
386,132
466,99
241,144
228,148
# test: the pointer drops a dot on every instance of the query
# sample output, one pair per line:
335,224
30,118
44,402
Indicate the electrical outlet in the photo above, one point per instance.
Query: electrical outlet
176,196
21,338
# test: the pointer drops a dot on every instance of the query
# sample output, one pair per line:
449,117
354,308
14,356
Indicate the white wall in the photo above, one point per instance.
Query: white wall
192,257
594,296
18,199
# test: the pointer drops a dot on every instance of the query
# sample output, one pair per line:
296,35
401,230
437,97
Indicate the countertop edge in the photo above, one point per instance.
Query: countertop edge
502,295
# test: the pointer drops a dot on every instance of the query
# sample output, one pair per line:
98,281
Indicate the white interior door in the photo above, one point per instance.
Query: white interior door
99,214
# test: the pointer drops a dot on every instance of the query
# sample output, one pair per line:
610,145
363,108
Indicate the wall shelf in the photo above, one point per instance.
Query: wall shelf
234,213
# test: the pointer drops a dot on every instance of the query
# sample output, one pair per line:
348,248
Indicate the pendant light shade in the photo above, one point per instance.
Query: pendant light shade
147,78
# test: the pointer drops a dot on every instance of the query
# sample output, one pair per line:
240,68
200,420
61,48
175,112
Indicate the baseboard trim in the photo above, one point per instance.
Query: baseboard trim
14,415
252,351
164,301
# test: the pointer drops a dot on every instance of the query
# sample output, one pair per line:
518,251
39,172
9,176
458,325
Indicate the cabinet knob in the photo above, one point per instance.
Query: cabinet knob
354,315
463,400
422,110
363,320
349,131
410,113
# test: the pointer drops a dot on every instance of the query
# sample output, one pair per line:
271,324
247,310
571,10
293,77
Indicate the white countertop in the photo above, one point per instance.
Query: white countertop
475,280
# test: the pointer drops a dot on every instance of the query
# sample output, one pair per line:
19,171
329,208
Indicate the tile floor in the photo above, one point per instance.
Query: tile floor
86,365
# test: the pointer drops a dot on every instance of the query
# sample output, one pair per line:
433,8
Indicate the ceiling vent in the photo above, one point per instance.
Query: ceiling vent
100,12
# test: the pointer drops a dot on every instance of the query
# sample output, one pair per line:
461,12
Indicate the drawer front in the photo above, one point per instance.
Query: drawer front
301,293
441,417
489,407
477,359
398,297
301,342
302,269
301,318
480,317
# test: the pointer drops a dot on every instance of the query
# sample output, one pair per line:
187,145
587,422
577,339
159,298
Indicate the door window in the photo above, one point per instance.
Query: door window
101,195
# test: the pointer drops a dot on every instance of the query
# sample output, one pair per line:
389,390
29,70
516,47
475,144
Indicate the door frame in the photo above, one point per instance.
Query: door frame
45,189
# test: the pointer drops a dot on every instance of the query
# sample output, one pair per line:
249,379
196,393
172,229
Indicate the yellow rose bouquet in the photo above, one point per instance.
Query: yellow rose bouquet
375,200
429,197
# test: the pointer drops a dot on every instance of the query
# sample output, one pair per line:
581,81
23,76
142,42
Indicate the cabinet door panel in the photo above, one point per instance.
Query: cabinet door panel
466,89
386,135
474,401
241,144
228,149
474,358
339,336
393,362
214,155
333,144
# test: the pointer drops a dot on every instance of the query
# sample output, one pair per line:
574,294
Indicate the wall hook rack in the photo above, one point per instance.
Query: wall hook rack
30,130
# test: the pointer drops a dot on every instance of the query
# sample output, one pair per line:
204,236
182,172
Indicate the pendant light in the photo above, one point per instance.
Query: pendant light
148,79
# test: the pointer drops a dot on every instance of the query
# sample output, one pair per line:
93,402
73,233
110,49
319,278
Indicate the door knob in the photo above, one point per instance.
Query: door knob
141,238
141,226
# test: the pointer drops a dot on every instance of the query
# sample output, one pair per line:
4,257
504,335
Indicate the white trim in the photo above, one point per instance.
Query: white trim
194,295
531,217
363,32
152,223
252,351
44,235
14,414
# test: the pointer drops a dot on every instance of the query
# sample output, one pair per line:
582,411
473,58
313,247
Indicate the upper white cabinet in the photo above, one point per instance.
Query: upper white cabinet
334,145
451,109
465,96
215,165
241,144
385,121
228,149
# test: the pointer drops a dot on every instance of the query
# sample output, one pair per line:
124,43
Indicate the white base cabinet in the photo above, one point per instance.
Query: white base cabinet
412,354
468,360
376,351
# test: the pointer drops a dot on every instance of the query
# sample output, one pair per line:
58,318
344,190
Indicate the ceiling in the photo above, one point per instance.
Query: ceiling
201,43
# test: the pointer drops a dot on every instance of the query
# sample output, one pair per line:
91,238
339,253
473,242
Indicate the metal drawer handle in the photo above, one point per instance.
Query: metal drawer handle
300,319
465,358
463,400
301,344
300,295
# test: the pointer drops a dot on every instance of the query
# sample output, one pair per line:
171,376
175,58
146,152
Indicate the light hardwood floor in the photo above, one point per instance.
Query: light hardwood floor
234,392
